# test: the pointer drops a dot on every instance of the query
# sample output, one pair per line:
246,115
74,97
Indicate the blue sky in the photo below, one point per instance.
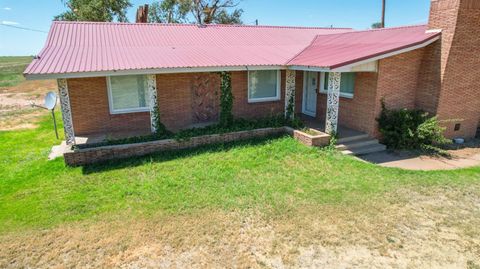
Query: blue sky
359,14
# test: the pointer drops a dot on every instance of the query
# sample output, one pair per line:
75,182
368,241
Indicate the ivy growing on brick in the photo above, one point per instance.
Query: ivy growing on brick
226,99
160,129
289,115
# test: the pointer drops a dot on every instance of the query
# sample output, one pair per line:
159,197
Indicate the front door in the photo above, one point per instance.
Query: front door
310,88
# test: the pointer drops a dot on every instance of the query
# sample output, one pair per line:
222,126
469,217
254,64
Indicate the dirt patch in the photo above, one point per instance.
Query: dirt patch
16,111
422,228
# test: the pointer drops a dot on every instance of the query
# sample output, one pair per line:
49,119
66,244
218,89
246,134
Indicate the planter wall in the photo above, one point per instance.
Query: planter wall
80,157
318,140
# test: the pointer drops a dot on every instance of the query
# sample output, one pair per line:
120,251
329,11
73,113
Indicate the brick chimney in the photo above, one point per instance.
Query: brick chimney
451,67
142,14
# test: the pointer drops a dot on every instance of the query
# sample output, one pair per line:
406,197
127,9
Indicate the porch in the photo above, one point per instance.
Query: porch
349,141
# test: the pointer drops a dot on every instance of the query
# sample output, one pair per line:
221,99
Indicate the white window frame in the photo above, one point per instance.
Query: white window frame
322,86
265,99
126,110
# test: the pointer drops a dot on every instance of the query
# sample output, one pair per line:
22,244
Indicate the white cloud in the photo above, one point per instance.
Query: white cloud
7,8
10,23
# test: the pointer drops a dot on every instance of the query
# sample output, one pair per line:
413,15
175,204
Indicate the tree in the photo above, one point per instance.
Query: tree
377,25
95,10
169,11
203,11
224,17
216,11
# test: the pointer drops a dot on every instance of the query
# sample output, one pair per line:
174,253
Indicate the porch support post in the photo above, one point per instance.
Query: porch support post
152,93
333,99
66,111
290,94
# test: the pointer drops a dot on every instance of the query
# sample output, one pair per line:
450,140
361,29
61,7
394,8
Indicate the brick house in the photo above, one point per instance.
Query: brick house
111,75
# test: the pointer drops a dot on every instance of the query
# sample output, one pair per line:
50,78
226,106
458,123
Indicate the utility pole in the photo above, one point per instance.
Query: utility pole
383,14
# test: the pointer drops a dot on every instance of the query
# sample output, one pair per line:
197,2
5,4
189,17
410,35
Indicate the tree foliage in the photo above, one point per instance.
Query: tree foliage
377,25
211,11
169,11
95,10
202,11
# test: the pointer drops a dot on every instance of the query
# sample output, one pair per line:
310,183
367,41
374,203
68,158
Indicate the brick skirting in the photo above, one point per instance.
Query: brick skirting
79,157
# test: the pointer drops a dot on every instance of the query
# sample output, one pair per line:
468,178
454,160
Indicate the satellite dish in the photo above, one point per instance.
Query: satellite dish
50,100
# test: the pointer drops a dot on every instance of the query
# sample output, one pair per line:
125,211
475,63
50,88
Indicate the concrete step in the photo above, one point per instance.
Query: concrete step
357,143
365,149
352,138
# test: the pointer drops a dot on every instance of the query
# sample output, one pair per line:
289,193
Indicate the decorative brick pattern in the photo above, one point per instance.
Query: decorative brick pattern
333,98
100,154
290,91
66,111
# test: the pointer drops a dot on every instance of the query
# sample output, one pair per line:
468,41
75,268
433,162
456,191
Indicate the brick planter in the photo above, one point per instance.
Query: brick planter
86,156
318,139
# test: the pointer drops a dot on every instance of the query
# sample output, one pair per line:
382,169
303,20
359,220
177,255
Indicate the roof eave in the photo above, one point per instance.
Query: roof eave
151,71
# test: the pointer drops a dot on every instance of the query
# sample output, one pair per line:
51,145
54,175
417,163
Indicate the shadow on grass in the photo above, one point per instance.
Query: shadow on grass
164,156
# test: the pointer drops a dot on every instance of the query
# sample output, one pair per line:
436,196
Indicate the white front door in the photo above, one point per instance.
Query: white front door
310,88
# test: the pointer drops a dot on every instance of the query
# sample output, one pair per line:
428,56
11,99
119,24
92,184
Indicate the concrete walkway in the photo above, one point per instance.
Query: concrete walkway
409,161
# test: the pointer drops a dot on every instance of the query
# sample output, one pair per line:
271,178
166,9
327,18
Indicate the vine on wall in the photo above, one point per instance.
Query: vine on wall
226,99
160,129
290,107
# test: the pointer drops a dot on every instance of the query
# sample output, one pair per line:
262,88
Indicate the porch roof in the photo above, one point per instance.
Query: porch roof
82,49
342,49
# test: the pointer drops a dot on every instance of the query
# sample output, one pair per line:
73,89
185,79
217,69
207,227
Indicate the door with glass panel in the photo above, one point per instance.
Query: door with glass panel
310,88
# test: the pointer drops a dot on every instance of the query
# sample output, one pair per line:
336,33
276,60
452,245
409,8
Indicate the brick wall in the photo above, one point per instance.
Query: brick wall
429,80
243,109
356,112
459,99
460,90
91,114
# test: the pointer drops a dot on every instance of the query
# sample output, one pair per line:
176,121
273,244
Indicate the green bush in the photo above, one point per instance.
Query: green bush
410,129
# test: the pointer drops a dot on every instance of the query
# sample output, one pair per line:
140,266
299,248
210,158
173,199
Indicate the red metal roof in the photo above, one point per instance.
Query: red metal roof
337,50
74,47
89,47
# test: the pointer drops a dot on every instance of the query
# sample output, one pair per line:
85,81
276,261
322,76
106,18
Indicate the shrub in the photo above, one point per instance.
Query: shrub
410,129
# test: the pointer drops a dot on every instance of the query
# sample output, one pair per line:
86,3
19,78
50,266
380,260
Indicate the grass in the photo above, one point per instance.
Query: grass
11,69
275,176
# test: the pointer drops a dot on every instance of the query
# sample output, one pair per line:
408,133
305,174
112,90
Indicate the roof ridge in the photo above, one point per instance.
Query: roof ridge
198,25
375,30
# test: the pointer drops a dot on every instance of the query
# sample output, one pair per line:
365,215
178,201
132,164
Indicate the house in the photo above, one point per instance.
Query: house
112,75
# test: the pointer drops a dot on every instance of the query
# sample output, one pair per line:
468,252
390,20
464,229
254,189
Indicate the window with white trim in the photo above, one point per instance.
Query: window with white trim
263,85
347,84
128,94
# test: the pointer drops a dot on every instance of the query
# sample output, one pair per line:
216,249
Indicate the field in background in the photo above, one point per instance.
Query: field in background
11,69
16,94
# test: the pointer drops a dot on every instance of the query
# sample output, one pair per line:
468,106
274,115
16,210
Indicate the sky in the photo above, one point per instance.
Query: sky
358,14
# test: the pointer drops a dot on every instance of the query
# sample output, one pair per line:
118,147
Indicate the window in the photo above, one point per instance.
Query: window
347,84
263,85
128,94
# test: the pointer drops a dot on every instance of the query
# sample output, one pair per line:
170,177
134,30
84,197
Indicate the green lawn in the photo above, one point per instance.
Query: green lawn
275,176
11,69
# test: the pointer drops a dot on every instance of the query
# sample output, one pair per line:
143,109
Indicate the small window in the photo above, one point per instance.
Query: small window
263,85
128,94
347,84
